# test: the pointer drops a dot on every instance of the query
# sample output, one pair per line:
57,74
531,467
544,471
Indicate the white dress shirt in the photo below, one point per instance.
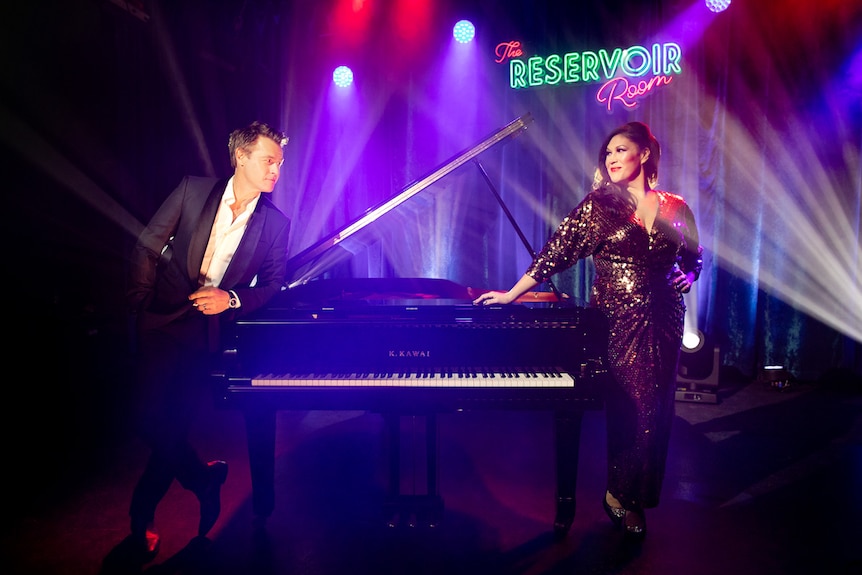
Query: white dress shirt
225,236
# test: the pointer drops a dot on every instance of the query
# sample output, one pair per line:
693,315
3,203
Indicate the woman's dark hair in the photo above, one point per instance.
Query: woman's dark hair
243,138
618,200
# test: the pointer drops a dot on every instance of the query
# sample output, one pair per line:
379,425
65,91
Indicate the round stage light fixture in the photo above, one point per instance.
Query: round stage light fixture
692,341
717,5
697,370
464,31
342,76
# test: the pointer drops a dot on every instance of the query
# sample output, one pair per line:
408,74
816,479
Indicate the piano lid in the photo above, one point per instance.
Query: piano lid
327,252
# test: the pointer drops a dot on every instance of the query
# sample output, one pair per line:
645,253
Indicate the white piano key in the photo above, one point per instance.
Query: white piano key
473,378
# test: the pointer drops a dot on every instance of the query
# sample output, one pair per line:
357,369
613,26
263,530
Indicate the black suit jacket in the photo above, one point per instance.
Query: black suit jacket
166,261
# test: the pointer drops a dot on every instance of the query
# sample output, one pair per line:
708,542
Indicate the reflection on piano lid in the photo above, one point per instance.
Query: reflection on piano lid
351,293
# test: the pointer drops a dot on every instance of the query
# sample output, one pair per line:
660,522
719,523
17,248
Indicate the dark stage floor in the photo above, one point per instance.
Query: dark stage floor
764,482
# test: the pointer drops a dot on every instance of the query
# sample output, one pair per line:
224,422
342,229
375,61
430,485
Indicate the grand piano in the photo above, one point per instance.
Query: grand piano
411,347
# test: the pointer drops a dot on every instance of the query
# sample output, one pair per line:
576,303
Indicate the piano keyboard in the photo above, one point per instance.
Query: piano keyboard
468,378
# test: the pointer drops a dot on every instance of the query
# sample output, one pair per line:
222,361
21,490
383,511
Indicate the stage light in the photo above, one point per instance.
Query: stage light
775,376
717,5
342,76
692,341
697,372
464,31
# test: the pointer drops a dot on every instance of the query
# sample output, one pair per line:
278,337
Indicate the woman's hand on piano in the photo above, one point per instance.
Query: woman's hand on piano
525,284
493,297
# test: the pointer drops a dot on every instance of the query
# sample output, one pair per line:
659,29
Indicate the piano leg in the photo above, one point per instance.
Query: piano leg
260,432
431,454
392,424
567,437
414,509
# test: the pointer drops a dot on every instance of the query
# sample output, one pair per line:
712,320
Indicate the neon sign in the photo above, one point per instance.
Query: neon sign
627,74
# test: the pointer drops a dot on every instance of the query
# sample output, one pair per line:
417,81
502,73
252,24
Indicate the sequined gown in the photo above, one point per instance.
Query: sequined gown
645,313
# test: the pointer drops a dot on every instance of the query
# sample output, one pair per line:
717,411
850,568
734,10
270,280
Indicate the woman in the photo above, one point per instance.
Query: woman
644,244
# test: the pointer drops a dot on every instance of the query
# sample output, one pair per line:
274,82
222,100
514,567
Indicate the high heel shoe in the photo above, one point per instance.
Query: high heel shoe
635,525
616,514
565,516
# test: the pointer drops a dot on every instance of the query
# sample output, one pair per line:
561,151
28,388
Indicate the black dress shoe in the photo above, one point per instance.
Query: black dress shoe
145,543
210,495
565,516
152,543
616,514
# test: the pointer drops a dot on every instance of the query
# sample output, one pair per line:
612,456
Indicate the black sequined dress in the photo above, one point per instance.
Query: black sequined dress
632,286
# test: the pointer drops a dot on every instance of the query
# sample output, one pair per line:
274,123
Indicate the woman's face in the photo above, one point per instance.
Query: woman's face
624,160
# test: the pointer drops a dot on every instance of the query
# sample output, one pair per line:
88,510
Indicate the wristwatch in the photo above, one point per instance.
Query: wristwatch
233,303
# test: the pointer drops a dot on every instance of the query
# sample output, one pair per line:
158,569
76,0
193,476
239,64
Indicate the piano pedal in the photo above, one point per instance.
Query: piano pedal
400,519
418,511
394,516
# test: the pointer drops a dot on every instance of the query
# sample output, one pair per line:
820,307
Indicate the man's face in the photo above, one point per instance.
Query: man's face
260,164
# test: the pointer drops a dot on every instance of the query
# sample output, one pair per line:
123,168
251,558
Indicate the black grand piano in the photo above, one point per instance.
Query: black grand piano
411,347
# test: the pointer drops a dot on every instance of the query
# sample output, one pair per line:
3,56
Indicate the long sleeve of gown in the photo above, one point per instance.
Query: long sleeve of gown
577,237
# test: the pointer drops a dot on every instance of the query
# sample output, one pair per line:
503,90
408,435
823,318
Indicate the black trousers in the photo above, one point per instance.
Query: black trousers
172,381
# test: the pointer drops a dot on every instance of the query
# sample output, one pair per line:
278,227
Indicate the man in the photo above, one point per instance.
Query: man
215,249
